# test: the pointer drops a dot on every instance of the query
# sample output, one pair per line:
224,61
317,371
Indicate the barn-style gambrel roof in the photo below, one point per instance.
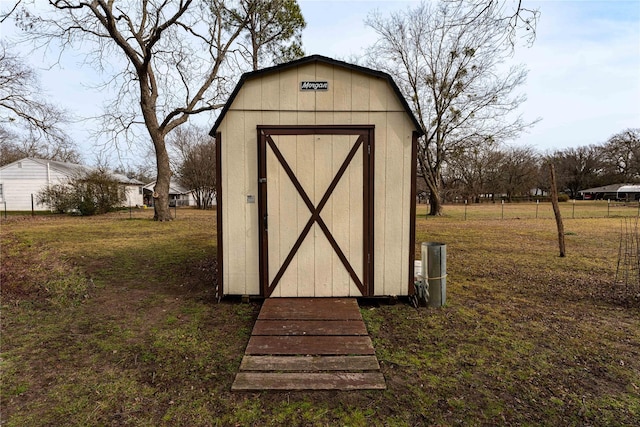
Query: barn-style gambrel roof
309,60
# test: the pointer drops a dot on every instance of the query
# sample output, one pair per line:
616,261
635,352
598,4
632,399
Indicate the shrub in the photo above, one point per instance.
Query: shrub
59,198
562,197
90,193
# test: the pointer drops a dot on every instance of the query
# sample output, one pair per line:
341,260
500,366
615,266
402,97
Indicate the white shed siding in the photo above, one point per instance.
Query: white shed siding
352,98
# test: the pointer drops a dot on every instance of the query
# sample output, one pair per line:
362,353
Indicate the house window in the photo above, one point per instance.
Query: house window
19,165
1,193
139,190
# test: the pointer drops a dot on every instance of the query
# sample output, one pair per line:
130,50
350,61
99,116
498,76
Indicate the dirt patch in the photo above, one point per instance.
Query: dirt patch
33,273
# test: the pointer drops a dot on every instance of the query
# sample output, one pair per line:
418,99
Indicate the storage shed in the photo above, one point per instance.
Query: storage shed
316,167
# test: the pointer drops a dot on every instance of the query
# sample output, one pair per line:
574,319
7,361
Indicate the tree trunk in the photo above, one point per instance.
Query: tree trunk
556,210
435,204
161,189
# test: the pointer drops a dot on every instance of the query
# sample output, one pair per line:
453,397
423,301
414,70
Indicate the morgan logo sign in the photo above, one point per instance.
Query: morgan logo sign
314,85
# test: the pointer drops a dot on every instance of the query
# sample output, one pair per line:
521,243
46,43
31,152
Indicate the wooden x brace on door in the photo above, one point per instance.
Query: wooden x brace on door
315,214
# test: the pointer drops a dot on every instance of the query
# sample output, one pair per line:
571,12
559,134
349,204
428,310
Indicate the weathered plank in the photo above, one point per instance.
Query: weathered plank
309,327
309,345
308,381
309,363
310,309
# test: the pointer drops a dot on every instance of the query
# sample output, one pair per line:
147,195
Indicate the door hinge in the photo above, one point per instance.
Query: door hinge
266,222
262,180
369,149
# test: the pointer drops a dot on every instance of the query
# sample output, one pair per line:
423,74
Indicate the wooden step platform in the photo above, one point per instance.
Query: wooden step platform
309,344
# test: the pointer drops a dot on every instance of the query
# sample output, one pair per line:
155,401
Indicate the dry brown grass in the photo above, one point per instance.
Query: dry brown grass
527,338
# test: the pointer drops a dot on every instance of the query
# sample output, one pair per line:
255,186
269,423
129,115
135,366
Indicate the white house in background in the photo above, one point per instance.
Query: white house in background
178,195
22,179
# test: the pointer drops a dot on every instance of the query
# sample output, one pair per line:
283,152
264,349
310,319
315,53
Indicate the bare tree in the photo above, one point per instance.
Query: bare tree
447,59
169,57
196,168
518,171
13,148
520,22
273,31
621,155
578,168
171,61
29,125
475,171
5,14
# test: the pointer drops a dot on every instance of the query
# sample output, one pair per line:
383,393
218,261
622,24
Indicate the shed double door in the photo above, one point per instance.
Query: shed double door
315,205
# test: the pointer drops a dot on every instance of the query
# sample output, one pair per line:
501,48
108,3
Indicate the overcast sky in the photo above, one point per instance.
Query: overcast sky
584,67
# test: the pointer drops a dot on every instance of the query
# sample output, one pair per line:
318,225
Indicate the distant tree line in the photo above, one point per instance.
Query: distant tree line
446,57
480,172
490,171
450,59
168,60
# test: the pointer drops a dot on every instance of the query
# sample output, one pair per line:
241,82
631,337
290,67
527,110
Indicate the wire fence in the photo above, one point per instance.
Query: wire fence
628,268
573,209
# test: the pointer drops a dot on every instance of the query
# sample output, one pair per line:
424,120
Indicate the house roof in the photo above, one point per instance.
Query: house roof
629,189
74,168
174,187
308,60
66,168
611,188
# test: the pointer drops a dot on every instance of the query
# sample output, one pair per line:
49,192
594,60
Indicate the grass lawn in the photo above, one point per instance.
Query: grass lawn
113,321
